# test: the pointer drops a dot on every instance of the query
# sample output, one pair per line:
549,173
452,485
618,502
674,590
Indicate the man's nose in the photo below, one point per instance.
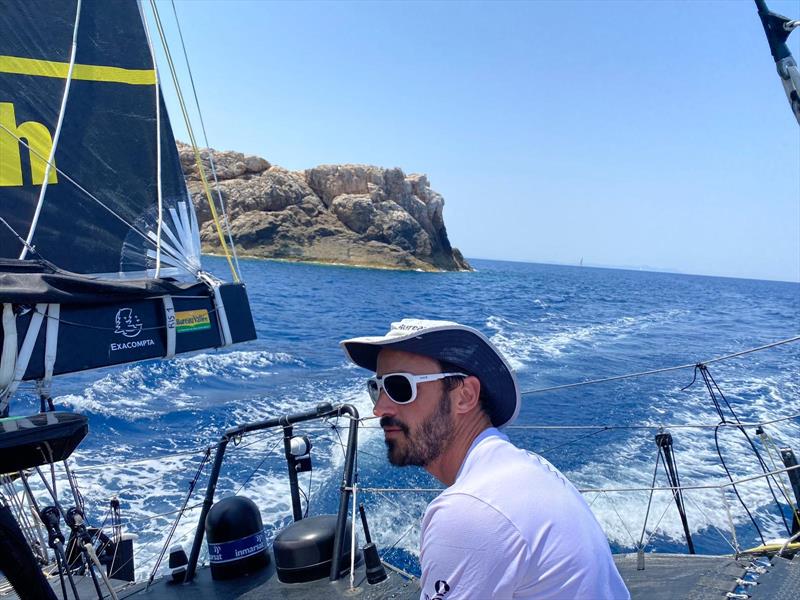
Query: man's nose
384,406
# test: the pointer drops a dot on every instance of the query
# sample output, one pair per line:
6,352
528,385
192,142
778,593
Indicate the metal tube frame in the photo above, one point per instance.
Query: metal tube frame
320,412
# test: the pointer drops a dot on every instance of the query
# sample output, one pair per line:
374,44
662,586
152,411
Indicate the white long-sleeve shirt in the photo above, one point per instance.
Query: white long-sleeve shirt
512,526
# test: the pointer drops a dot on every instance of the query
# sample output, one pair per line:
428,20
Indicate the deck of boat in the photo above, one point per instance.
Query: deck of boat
665,577
670,576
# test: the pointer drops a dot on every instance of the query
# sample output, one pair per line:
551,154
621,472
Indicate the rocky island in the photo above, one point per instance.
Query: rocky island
345,214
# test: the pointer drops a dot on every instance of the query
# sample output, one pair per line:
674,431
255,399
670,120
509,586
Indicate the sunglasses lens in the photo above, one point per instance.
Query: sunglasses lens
373,389
398,388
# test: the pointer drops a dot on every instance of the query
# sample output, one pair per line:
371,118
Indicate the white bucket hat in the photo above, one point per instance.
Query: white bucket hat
462,346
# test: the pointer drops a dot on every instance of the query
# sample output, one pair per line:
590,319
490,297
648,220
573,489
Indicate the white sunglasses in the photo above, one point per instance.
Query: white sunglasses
401,388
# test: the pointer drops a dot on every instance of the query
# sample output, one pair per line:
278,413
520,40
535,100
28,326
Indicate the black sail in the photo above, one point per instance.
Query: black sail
101,199
99,243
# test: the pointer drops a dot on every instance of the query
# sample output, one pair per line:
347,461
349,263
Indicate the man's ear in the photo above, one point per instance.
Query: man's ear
468,396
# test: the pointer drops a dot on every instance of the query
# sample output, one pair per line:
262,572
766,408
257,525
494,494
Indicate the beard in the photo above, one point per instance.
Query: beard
424,444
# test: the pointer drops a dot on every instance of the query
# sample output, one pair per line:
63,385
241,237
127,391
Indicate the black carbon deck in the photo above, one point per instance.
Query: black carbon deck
665,577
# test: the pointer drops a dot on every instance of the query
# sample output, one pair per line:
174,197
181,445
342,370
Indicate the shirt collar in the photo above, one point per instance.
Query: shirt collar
487,433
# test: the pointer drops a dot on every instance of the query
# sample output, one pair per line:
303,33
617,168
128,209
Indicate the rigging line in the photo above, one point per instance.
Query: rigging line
669,488
254,471
88,326
577,439
159,515
621,520
179,260
386,552
708,378
649,501
411,527
308,498
99,328
190,131
386,490
663,370
657,426
205,140
179,515
264,436
335,427
20,238
709,521
769,443
56,135
665,488
661,518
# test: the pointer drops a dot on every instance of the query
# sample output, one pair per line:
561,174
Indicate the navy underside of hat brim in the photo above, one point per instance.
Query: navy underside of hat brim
461,348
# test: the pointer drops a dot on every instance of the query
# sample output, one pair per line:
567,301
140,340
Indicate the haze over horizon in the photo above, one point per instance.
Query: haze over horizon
648,133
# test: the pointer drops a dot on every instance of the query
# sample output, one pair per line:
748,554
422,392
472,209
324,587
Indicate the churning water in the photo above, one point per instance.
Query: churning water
556,324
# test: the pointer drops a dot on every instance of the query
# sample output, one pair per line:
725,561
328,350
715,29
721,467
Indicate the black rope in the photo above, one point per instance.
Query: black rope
308,498
671,464
709,381
733,485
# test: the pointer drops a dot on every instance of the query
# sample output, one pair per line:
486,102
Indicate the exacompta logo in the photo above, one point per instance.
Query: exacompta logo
132,345
127,323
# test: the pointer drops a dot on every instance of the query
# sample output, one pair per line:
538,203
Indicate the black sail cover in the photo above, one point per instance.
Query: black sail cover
99,212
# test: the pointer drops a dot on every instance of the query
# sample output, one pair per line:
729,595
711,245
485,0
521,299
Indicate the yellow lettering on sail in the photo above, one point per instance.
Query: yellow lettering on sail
39,144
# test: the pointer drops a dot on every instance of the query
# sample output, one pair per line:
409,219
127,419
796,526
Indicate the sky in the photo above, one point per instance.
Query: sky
650,135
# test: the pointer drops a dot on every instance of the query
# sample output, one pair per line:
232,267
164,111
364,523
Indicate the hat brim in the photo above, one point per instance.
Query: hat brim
460,345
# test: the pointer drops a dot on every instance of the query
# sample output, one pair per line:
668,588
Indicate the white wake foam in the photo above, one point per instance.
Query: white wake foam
522,347
147,390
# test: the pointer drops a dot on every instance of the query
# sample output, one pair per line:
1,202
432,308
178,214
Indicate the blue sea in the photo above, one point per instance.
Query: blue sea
558,325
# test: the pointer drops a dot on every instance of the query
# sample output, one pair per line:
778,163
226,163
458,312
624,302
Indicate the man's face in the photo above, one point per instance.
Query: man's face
418,432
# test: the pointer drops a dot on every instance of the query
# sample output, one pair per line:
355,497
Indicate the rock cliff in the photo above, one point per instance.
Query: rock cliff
347,214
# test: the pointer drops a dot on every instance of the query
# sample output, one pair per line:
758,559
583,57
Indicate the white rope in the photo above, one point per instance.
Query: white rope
24,356
8,359
787,542
56,135
90,551
736,548
222,316
50,347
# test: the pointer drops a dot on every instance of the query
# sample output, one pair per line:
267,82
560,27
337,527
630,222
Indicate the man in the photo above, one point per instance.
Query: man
509,524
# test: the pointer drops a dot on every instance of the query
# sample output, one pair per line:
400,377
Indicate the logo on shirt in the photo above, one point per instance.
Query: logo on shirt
441,588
